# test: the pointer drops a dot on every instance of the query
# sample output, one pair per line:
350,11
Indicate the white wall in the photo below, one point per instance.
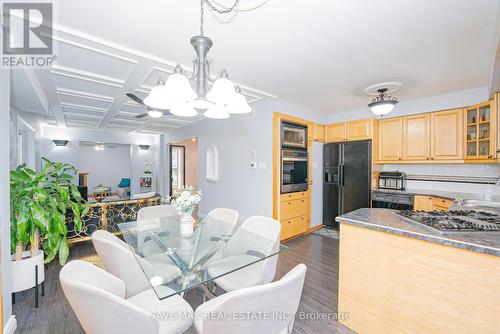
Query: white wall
4,194
106,167
427,104
240,187
70,153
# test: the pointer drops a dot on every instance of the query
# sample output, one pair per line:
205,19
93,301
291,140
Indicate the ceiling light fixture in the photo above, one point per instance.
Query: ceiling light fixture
177,95
383,104
99,147
144,147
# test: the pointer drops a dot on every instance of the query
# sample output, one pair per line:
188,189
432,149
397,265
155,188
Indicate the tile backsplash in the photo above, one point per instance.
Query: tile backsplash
468,170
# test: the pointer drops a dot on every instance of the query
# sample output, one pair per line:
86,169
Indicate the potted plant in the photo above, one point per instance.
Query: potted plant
38,207
185,200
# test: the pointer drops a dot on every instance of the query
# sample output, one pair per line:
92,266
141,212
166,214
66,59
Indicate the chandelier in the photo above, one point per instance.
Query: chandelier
383,104
177,95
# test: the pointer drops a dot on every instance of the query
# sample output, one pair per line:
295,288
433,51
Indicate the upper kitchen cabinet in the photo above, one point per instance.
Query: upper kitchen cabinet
416,137
480,132
316,132
335,132
360,129
446,137
390,138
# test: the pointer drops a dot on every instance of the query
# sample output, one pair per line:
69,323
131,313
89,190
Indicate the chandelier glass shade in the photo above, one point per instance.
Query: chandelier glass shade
155,113
383,104
183,110
177,95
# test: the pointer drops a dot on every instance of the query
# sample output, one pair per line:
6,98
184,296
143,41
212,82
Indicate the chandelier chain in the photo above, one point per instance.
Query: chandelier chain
222,11
201,17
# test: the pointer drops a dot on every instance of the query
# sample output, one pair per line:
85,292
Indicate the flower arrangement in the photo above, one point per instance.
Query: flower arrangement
185,198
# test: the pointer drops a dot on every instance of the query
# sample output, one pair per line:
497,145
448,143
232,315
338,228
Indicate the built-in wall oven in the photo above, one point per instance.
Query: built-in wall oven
293,136
293,170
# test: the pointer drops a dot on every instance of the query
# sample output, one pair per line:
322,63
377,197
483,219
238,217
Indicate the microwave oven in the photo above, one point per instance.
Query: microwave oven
293,136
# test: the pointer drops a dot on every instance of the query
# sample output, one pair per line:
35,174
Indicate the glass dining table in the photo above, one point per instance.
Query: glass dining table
175,263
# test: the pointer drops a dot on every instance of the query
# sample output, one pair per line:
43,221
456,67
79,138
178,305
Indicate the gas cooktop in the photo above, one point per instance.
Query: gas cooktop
456,220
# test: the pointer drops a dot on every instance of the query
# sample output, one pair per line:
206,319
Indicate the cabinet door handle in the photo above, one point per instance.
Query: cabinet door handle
490,156
427,158
432,158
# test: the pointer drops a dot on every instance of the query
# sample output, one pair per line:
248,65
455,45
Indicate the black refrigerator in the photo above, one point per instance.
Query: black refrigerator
347,179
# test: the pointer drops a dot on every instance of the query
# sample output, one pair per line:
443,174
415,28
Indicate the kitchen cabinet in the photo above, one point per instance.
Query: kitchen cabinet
360,129
480,132
431,203
446,135
441,204
416,137
317,132
335,132
497,108
292,227
422,203
390,137
294,209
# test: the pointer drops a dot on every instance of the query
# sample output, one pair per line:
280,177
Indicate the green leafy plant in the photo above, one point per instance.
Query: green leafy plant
38,207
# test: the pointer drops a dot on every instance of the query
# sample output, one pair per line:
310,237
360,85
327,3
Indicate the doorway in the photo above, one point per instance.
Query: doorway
177,167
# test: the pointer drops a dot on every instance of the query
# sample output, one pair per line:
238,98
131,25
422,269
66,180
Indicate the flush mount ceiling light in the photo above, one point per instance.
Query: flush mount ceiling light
383,104
99,147
60,142
144,147
176,94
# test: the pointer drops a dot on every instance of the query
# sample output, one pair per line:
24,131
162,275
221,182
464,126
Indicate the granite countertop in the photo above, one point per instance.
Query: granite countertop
386,220
445,194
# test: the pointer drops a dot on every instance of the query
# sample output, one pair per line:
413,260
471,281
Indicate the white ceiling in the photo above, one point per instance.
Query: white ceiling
318,53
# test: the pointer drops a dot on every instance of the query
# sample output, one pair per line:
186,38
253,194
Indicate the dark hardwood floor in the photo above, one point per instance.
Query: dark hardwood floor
318,252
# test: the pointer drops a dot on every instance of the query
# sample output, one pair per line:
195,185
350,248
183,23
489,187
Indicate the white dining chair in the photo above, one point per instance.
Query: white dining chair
119,260
229,216
267,241
148,213
98,300
156,211
276,302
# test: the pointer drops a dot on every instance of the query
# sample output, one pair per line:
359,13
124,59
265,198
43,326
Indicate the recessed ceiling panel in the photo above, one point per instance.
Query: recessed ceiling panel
94,60
69,98
86,85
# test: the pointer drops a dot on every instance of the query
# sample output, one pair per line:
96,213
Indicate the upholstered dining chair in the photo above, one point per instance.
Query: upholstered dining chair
99,302
277,302
119,260
156,211
262,272
229,216
152,212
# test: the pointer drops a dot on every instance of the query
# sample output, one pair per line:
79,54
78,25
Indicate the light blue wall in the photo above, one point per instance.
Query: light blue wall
240,187
4,194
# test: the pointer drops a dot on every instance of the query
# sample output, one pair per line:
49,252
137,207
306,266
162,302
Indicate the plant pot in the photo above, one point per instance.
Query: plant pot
24,272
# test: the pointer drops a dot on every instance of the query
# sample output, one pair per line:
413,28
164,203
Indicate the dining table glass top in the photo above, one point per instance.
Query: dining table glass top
174,263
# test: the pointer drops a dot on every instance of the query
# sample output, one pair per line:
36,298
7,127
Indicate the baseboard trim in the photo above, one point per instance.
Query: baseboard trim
11,325
315,228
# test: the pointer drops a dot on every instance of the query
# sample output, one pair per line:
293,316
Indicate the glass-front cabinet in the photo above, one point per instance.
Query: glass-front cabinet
480,131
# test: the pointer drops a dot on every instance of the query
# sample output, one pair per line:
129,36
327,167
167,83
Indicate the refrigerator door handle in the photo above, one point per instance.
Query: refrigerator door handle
342,176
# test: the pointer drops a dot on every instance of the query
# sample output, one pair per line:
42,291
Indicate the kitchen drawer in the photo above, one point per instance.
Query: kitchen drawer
294,226
292,196
441,203
293,208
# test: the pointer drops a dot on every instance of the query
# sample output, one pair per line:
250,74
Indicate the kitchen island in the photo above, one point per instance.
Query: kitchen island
398,276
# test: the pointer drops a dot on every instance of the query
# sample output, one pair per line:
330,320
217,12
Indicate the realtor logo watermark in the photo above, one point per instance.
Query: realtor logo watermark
27,34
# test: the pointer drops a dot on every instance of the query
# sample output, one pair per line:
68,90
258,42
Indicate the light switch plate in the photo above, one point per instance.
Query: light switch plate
253,164
262,165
